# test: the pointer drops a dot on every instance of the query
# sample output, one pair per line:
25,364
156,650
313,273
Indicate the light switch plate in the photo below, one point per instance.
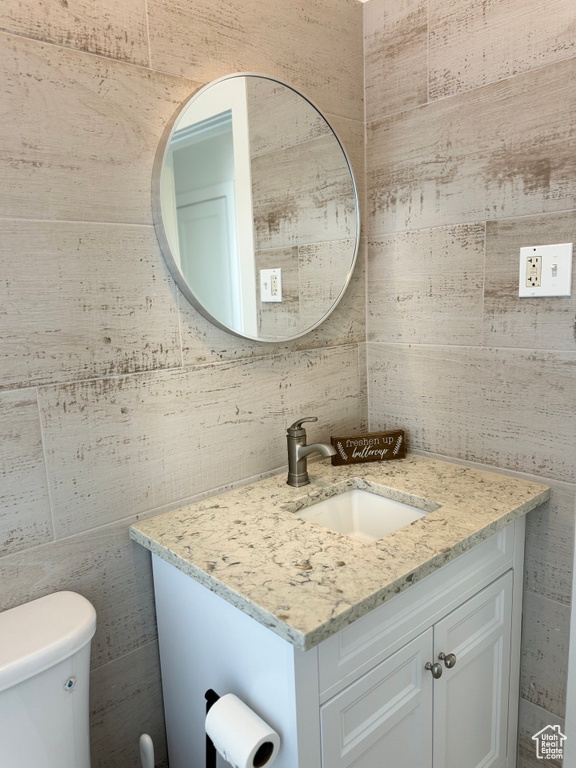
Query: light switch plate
271,285
555,270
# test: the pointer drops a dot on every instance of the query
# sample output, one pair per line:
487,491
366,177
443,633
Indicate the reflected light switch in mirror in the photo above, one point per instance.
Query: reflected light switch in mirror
271,285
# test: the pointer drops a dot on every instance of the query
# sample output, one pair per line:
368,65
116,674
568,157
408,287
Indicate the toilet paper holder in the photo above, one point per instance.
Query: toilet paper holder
261,757
211,699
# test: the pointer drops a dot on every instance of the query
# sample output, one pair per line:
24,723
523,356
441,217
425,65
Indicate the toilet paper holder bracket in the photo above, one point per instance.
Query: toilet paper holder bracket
211,699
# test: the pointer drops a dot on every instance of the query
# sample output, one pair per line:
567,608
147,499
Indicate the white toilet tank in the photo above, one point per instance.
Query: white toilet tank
44,678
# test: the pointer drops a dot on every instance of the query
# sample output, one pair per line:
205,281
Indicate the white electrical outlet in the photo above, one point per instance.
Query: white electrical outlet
534,272
545,270
271,285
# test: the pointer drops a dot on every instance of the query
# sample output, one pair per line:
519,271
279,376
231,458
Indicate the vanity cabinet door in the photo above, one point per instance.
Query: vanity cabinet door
471,698
384,719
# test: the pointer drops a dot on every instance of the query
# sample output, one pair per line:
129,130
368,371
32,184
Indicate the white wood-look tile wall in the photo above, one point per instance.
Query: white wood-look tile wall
116,397
471,155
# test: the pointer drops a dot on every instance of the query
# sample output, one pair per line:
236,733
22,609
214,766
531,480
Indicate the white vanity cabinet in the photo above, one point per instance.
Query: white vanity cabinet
385,717
397,714
471,699
363,697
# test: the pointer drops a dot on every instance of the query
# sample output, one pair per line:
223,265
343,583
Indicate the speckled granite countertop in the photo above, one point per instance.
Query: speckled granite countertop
306,582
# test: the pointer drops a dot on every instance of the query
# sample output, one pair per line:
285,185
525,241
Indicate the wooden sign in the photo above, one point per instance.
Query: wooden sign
377,446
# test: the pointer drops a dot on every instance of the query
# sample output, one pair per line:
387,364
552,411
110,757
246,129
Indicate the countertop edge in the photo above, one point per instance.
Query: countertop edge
256,612
306,641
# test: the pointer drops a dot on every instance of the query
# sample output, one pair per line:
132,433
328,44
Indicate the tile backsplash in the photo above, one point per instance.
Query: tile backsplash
470,156
116,398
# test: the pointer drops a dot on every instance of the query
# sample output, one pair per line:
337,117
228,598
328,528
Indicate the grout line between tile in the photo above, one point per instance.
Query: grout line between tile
189,368
179,298
483,314
428,52
540,709
63,47
79,221
368,398
365,208
71,382
390,115
481,347
137,649
148,33
503,79
388,233
471,90
302,244
46,474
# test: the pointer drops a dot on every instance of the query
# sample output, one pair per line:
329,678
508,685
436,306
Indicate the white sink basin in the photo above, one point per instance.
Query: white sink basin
361,515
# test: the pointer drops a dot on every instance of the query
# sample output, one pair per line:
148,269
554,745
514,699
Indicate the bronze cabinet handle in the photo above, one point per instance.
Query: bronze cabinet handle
448,659
436,669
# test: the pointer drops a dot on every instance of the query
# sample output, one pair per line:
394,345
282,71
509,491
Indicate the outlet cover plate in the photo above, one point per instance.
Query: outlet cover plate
556,279
271,285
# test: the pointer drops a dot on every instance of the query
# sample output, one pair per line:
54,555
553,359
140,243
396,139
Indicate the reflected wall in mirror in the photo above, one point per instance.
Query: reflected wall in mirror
255,208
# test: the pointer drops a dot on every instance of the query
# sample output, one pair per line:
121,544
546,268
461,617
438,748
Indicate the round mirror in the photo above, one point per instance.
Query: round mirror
255,208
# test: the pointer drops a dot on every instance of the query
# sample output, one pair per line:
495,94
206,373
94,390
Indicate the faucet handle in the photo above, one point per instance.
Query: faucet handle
297,430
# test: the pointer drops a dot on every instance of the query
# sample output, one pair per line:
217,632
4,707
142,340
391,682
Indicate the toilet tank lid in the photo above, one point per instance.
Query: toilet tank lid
39,634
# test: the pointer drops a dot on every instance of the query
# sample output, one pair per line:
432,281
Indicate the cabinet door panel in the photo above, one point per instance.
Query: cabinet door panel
383,720
369,640
471,699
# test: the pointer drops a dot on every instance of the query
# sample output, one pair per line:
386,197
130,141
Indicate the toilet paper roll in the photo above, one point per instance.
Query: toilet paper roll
240,735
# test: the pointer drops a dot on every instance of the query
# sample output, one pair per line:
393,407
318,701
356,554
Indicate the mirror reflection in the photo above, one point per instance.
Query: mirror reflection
256,208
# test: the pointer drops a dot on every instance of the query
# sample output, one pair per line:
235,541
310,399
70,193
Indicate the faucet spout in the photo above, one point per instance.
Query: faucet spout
323,448
298,452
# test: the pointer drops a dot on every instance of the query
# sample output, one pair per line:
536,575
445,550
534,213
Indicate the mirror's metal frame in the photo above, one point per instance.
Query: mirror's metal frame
161,231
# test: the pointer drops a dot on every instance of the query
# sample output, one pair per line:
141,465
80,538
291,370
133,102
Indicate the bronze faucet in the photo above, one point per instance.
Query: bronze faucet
298,452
